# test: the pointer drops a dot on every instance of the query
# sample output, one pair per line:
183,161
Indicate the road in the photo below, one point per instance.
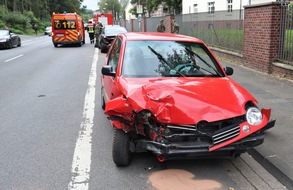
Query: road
54,134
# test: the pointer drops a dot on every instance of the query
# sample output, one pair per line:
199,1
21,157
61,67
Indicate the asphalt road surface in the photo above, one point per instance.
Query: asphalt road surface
55,136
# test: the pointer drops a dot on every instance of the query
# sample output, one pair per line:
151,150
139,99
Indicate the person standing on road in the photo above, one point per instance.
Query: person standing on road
174,27
35,28
98,31
161,27
91,31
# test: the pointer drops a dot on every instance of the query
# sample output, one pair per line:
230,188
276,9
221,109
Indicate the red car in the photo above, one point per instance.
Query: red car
169,95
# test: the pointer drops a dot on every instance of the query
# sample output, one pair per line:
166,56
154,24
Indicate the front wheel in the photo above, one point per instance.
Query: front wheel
103,104
19,43
10,44
121,148
103,49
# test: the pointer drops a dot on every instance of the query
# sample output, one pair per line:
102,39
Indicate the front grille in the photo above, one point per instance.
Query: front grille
225,134
213,133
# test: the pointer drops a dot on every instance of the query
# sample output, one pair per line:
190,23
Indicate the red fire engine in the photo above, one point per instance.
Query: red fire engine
104,18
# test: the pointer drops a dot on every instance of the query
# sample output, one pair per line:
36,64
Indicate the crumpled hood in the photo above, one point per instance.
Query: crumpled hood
183,100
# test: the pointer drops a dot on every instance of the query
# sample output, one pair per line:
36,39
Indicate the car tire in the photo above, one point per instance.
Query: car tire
121,148
103,49
19,43
103,103
55,45
10,44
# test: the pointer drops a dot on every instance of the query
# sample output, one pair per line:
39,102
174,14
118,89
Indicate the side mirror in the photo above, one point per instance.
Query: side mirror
229,71
108,71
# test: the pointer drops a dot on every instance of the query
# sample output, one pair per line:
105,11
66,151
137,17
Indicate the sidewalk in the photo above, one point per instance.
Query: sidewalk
276,153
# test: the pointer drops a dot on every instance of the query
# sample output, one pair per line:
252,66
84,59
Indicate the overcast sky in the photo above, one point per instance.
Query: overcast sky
91,4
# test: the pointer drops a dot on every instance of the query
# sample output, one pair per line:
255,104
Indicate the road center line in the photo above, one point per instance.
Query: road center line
13,58
81,164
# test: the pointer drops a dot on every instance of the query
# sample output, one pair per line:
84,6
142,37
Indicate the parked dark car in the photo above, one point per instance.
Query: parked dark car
169,95
107,35
9,39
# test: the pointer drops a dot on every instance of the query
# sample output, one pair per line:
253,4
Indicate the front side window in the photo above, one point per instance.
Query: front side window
114,54
168,59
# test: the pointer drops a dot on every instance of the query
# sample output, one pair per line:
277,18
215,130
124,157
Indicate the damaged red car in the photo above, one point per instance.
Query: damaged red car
169,95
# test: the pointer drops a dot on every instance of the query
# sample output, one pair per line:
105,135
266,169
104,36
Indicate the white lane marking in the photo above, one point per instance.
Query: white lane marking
26,41
13,58
81,164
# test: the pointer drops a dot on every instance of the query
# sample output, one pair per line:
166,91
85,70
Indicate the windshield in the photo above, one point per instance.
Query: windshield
168,59
113,31
4,32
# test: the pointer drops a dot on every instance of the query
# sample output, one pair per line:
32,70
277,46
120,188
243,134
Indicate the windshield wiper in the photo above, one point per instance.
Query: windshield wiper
195,54
163,60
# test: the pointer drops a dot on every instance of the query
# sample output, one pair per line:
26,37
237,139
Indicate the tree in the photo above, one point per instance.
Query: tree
112,6
174,6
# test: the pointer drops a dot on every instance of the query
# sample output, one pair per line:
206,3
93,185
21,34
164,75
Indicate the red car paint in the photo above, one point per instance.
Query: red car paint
179,102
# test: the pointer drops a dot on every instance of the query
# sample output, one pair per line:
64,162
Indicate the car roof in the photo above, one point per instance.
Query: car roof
158,36
109,26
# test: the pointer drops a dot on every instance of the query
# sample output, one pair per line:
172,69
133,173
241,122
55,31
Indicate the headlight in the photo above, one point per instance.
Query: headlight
4,39
253,116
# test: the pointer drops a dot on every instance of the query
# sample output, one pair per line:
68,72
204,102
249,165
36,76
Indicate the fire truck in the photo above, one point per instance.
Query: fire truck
104,18
67,28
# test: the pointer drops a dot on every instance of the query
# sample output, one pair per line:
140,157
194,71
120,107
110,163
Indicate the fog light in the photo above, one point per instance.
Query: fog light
246,128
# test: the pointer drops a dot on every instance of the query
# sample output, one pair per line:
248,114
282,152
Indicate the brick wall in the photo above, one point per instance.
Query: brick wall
261,35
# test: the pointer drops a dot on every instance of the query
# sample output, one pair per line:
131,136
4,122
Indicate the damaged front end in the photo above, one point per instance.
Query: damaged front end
225,138
184,121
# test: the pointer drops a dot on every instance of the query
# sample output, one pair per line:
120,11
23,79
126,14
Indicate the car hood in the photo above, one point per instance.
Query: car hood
181,100
4,36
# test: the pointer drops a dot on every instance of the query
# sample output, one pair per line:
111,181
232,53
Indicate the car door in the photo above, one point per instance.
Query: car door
109,85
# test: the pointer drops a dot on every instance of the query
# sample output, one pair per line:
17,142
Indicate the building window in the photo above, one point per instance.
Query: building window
230,3
195,8
211,7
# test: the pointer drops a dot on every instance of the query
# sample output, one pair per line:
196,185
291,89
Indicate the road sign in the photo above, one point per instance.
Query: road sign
139,9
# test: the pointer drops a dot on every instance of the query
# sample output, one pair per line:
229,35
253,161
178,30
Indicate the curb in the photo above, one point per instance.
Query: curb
274,166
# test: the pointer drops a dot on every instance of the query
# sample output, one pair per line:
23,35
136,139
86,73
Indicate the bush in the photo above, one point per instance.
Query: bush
15,20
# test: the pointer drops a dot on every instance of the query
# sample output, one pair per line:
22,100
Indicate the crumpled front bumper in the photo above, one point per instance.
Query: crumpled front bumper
202,149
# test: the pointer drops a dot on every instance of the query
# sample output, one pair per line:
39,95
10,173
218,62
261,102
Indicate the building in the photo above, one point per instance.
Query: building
128,15
210,6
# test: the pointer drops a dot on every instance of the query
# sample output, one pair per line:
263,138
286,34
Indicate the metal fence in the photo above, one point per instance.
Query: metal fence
285,53
220,29
225,29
